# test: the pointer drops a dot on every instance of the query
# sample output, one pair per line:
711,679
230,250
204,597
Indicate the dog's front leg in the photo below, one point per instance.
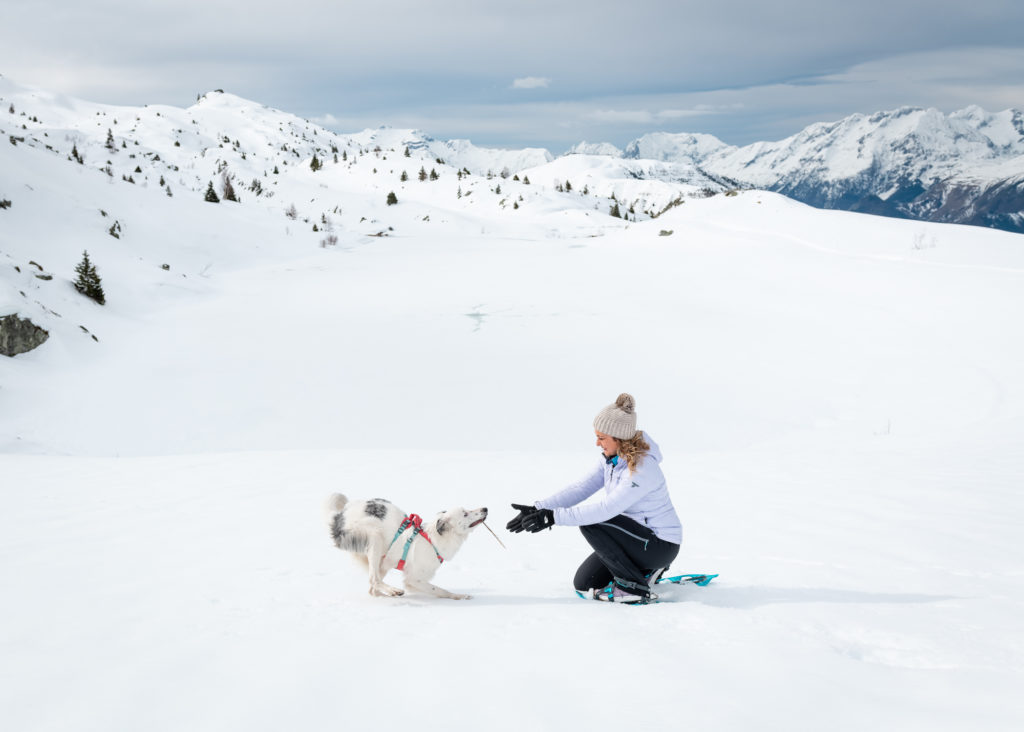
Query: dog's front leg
375,556
429,589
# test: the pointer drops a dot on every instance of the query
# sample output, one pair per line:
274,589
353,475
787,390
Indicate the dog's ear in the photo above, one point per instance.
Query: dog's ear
441,526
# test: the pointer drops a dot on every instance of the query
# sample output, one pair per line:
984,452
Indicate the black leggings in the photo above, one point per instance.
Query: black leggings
625,552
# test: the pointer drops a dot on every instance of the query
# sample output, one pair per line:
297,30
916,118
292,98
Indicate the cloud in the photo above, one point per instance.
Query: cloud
327,120
532,82
788,65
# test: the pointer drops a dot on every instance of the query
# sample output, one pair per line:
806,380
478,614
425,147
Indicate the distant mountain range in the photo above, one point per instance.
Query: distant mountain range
966,167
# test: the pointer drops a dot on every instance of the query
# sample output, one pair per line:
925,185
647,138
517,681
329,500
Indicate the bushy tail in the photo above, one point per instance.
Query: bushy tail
335,505
335,520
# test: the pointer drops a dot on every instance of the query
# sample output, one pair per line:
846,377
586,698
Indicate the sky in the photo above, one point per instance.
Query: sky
530,74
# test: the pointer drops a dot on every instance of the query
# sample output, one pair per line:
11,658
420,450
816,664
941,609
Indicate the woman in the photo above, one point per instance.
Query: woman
631,524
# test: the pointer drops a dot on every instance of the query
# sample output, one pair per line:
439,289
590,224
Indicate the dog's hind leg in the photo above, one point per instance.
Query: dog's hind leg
429,589
375,553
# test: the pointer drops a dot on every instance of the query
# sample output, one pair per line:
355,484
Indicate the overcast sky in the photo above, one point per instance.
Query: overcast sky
530,73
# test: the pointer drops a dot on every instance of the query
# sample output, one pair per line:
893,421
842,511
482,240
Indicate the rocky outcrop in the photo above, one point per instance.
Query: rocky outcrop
19,335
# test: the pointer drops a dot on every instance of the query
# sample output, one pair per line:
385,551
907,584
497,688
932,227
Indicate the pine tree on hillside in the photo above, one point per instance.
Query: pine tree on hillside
110,141
88,282
315,164
422,174
211,195
392,199
615,211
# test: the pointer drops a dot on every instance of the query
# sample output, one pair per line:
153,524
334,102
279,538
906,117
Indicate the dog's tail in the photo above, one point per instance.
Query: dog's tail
335,505
335,521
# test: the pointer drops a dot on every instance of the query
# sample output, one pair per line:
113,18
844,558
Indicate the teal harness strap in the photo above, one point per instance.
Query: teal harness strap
416,522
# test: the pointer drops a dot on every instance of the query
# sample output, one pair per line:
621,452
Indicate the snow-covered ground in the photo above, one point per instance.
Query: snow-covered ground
840,400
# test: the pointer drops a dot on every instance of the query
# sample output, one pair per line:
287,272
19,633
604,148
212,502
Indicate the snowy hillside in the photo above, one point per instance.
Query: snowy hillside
839,398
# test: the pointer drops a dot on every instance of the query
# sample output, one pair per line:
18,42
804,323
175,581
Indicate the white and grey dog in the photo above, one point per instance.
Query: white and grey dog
368,529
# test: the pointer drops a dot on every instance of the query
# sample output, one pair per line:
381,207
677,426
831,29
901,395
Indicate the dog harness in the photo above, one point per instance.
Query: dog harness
417,528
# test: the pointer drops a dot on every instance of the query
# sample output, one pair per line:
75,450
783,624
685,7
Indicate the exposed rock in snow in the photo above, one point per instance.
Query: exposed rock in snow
19,335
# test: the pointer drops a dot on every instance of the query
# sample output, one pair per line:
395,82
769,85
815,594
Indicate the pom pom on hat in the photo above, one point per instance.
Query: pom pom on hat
618,419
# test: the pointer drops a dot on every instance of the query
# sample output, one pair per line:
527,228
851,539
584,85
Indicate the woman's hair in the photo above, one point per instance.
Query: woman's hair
634,450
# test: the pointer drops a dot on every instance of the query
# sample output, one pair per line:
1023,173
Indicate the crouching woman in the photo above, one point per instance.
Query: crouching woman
630,523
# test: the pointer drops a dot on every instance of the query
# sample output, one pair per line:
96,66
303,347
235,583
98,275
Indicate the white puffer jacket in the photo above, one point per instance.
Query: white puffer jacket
641,495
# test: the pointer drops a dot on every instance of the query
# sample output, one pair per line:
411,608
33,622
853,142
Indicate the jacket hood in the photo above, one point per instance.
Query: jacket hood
655,450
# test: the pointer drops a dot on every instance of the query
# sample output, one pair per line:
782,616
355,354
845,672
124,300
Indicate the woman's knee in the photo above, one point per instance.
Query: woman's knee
591,574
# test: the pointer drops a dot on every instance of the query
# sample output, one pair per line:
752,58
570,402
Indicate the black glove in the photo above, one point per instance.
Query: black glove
542,518
516,524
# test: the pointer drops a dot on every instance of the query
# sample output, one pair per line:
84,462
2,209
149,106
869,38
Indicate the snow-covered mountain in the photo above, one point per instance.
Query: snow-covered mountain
966,167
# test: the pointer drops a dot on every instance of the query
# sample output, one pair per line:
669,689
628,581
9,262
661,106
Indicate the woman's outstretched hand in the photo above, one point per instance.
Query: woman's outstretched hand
516,524
542,518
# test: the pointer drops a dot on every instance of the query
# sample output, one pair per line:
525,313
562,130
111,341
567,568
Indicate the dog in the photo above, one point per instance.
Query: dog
370,531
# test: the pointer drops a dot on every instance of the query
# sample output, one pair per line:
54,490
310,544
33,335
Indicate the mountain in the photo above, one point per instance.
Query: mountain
966,167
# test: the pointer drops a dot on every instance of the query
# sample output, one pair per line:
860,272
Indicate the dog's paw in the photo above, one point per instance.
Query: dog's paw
386,591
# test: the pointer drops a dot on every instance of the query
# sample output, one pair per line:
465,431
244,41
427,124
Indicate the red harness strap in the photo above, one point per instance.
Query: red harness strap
417,523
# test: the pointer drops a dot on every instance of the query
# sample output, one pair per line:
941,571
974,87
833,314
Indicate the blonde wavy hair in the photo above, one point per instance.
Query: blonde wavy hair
634,450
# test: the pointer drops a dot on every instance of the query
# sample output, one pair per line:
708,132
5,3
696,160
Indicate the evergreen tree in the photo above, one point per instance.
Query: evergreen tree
211,195
615,211
404,177
315,164
392,199
88,282
110,141
433,174
407,152
423,174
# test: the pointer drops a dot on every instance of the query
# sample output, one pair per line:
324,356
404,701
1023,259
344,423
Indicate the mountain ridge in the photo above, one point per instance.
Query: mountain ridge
894,163
917,163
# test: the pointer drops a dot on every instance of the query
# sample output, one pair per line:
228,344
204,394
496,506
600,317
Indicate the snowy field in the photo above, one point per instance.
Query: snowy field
840,401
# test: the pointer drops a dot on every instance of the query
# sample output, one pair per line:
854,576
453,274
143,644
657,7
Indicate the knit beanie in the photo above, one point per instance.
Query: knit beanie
619,419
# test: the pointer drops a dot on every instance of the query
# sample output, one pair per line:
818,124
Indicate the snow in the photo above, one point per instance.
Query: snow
839,398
